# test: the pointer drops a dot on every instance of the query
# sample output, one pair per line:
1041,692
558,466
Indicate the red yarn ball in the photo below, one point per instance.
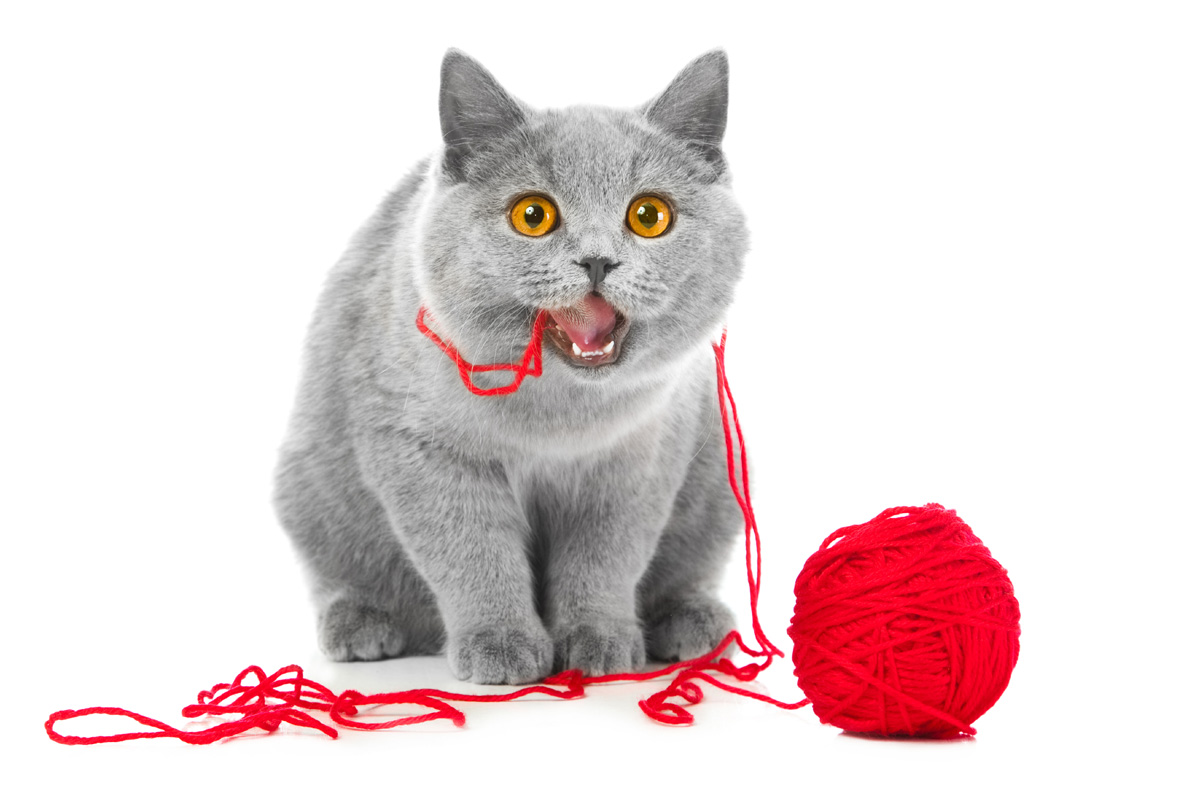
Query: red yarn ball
904,626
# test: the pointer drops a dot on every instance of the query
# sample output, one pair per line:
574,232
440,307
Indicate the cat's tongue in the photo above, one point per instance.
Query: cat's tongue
588,322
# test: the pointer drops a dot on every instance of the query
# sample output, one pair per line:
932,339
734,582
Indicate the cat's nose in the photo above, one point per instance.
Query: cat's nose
597,268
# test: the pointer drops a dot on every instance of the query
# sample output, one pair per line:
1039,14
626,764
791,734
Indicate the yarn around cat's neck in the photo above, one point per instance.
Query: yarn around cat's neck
530,365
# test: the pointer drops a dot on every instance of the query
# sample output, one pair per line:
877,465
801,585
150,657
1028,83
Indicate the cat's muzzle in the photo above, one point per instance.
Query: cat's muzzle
588,333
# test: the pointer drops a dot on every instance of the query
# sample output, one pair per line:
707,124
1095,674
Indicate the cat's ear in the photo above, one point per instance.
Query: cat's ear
475,110
694,106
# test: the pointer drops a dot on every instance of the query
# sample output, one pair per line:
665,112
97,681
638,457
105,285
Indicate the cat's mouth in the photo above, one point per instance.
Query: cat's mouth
588,333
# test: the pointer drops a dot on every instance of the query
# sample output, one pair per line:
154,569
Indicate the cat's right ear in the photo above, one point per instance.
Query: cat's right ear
475,111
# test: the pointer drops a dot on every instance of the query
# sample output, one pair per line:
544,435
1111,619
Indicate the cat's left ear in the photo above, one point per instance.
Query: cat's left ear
694,106
475,110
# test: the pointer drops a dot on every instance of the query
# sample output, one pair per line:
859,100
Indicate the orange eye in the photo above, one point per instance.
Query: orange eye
649,216
533,215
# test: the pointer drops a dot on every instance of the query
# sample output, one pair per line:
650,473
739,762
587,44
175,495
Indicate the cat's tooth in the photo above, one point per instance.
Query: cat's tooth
608,347
575,349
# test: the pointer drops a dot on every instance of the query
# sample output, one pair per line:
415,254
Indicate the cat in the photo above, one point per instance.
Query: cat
583,521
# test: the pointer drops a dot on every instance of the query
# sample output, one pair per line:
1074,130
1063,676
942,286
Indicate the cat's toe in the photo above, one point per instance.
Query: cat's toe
501,655
352,632
687,628
600,647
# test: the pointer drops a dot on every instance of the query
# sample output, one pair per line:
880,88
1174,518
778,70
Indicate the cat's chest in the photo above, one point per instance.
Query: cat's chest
643,468
557,494
576,427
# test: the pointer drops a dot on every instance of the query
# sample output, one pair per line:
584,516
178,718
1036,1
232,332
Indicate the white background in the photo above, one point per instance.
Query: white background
973,281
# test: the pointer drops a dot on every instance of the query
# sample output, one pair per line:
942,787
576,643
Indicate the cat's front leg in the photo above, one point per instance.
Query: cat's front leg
460,524
599,544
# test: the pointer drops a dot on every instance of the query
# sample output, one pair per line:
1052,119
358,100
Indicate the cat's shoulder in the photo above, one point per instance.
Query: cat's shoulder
396,211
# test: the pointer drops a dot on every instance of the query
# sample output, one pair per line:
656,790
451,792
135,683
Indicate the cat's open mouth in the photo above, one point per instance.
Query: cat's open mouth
588,333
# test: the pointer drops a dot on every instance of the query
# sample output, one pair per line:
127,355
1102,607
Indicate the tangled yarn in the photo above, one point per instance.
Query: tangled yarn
904,625
257,700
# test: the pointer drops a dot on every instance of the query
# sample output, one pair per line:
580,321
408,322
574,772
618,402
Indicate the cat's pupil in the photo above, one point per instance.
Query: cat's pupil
534,215
648,215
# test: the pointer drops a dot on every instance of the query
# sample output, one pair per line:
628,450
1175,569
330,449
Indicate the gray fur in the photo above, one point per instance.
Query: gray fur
584,521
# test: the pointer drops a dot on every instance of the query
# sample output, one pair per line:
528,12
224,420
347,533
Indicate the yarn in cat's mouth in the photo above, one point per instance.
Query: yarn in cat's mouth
588,333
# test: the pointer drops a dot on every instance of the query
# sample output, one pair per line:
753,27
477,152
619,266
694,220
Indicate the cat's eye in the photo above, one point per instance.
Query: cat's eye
533,215
649,216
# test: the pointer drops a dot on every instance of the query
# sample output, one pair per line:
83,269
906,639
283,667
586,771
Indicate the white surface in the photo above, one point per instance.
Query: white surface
973,282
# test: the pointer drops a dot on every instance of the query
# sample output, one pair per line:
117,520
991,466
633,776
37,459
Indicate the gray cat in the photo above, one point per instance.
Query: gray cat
583,521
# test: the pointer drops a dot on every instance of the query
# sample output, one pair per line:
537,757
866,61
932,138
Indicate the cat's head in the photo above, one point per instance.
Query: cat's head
620,223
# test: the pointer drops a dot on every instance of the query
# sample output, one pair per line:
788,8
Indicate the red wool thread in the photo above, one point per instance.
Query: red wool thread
904,625
285,696
267,701
530,365
865,656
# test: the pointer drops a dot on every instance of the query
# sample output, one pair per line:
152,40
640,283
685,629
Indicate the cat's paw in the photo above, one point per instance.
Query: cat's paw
348,631
600,646
501,654
687,628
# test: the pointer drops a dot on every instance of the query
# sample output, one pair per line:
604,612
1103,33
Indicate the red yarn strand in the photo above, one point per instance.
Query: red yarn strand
529,366
266,702
741,492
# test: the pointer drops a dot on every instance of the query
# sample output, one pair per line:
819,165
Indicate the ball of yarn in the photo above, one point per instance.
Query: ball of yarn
904,626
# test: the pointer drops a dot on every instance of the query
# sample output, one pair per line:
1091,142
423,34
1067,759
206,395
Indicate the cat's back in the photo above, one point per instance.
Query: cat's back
348,316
